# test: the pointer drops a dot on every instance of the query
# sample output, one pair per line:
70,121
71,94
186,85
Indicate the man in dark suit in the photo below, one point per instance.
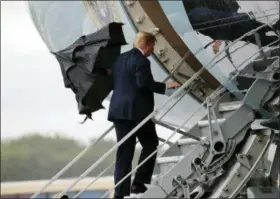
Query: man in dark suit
131,102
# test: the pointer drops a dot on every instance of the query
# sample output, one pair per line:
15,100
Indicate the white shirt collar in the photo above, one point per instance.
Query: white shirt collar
140,50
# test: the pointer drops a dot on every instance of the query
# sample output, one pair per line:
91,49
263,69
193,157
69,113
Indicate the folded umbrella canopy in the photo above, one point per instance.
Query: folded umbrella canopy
84,64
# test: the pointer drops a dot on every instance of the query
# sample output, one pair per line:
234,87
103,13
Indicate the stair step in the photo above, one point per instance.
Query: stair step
187,144
204,123
229,106
163,164
256,125
187,141
171,159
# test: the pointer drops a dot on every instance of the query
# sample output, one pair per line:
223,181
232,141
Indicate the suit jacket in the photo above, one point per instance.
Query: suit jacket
133,87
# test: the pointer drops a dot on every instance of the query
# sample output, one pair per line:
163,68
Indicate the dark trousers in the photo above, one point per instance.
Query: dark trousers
222,25
147,137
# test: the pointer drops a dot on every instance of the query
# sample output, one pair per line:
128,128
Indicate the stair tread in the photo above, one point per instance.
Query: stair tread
229,106
257,124
169,159
203,123
184,141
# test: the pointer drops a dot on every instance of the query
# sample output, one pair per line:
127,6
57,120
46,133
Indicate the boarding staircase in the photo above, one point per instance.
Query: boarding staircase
228,153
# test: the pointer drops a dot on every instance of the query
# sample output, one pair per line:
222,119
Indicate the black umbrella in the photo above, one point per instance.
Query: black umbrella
85,63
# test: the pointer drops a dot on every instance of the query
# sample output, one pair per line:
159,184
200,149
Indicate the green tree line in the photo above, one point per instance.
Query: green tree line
35,157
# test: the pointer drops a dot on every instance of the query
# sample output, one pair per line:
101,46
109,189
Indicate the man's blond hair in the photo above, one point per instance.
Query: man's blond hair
144,38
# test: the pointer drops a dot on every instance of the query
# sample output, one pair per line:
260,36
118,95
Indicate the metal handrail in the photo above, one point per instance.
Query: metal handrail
232,17
183,59
178,130
187,134
236,22
244,61
232,52
234,42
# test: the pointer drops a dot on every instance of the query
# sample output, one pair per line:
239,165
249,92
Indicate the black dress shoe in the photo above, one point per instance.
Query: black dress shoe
273,123
138,188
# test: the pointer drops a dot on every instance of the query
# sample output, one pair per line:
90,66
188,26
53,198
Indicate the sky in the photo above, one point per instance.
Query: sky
33,96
